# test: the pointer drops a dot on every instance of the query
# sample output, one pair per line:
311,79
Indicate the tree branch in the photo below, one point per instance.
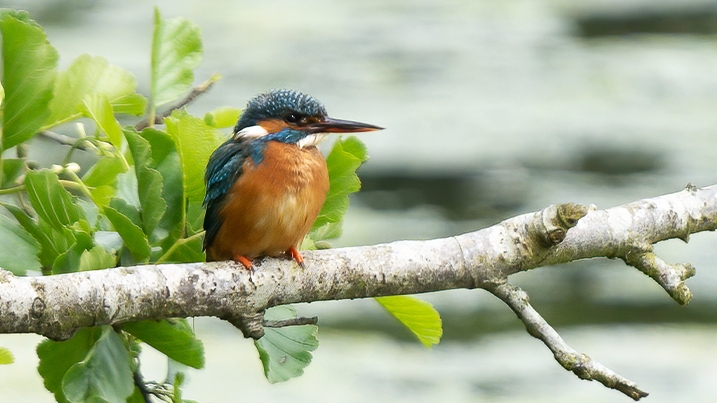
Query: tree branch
193,94
65,140
56,306
580,364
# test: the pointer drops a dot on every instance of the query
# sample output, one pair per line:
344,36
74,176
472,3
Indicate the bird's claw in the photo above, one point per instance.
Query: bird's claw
294,254
246,263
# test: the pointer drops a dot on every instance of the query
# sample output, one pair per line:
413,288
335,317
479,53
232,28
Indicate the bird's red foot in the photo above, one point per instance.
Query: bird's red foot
296,256
245,262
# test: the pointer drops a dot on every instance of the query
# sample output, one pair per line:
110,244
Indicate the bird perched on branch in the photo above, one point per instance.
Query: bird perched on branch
267,183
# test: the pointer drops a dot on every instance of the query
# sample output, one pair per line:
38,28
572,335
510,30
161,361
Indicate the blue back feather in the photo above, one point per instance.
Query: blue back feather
224,167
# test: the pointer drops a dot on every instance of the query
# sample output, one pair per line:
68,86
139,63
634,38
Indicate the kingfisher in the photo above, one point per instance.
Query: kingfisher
267,183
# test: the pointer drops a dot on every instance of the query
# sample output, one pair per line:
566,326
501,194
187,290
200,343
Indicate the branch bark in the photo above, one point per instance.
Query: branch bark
56,306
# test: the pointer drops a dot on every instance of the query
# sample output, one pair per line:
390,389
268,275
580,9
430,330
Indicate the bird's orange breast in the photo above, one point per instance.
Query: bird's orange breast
272,205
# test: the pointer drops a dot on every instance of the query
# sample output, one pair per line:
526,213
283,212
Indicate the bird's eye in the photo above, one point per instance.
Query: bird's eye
292,118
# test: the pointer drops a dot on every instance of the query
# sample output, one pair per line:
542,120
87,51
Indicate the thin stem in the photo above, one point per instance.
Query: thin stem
25,206
12,190
74,146
176,245
59,122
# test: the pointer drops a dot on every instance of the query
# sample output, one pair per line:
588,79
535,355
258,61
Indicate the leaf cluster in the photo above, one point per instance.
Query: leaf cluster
138,202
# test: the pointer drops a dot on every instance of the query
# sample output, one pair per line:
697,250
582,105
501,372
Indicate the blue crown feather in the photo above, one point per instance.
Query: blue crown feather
277,104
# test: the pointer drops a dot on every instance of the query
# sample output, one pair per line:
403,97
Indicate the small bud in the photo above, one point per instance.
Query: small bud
56,168
106,146
21,150
81,129
73,167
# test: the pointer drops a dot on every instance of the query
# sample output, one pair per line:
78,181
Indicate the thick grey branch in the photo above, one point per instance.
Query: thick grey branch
56,306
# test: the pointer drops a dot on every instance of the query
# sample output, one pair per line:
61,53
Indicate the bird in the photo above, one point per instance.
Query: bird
266,184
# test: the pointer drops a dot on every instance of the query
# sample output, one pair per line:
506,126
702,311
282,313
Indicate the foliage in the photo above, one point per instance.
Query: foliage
138,202
418,316
6,356
285,351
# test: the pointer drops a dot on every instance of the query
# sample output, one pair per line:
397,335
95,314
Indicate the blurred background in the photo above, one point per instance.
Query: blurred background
492,109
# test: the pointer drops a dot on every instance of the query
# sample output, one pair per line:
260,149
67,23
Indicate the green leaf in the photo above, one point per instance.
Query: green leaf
69,260
134,239
418,316
91,213
6,356
62,241
88,75
29,63
97,258
104,171
285,352
127,189
329,230
103,375
51,241
56,357
185,250
101,195
12,169
344,159
110,240
176,51
195,218
149,181
50,200
172,337
98,108
166,161
222,117
136,396
127,210
101,178
195,142
18,249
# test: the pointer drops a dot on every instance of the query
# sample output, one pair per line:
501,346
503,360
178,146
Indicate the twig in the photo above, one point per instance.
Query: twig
194,93
65,140
251,325
291,322
580,364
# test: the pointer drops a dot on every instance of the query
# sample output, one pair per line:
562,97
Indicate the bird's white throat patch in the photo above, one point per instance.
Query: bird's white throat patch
311,140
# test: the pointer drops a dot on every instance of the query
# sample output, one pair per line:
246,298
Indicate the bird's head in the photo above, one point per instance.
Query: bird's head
291,117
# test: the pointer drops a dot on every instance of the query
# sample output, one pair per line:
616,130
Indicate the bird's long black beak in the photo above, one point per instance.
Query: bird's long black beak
331,125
